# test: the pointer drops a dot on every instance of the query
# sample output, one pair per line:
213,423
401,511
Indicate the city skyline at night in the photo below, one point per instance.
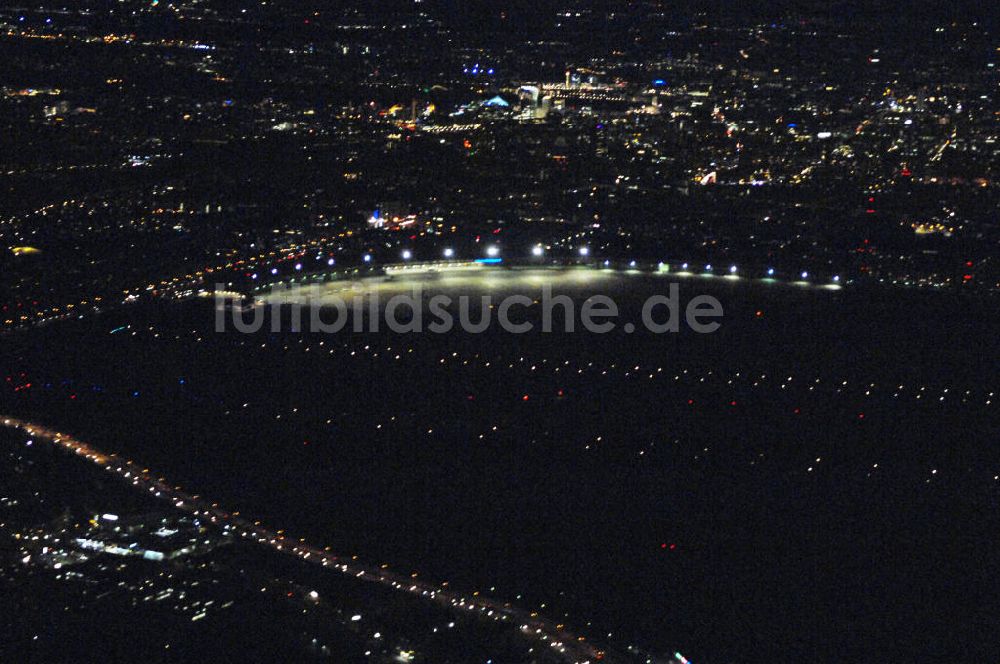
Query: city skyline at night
499,332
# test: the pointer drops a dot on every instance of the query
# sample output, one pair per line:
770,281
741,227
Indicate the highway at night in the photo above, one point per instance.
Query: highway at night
566,646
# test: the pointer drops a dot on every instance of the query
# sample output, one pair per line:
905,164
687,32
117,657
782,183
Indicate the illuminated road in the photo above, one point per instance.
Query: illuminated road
564,645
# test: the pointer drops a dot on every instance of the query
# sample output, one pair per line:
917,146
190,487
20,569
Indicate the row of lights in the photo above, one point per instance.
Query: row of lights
493,252
733,270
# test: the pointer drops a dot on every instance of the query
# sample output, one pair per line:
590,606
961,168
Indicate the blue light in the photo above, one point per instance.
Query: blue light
489,261
659,82
274,270
770,271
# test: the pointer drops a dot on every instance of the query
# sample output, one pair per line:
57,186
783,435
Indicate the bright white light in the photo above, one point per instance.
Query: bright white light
274,270
449,252
492,251
770,271
407,254
330,261
631,264
708,268
367,258
732,269
805,275
684,266
298,266
584,251
355,618
836,277
537,250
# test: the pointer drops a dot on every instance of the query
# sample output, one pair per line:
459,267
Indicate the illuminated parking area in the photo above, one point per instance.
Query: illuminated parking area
476,278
